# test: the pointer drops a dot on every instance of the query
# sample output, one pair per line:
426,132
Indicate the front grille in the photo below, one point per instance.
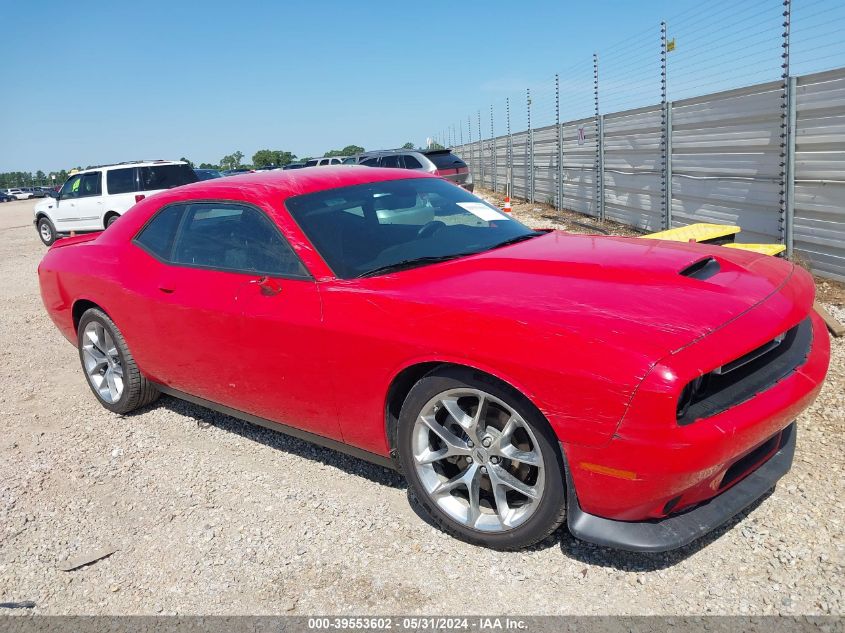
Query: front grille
751,374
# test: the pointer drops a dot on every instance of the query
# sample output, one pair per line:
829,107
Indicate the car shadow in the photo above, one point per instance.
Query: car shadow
281,442
570,547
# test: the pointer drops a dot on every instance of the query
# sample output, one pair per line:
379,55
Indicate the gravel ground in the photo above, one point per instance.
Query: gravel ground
210,515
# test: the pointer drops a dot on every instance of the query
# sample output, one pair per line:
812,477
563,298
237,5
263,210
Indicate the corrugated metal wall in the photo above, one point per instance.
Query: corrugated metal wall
819,227
726,160
633,167
726,165
579,166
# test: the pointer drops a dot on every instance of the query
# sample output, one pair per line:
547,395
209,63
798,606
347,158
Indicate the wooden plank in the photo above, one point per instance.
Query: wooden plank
700,232
835,327
765,249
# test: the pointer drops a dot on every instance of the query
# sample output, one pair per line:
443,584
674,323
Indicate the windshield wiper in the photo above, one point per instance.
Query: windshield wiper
518,238
415,261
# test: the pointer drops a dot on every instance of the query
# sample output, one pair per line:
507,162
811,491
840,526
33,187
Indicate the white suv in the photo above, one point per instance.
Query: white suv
19,194
94,198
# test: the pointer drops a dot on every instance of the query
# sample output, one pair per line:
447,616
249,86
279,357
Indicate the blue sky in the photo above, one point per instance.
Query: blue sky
95,82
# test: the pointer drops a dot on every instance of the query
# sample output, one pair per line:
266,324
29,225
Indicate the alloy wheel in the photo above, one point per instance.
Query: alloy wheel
478,460
103,365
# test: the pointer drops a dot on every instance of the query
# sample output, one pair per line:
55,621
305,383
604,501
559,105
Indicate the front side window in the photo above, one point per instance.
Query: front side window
121,180
71,187
222,236
364,229
90,184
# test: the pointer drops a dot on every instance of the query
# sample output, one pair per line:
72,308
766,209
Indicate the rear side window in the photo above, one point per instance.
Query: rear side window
390,161
165,176
120,180
411,162
157,237
446,161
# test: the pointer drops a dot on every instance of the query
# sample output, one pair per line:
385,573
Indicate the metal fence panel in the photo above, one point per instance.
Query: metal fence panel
726,165
632,168
819,226
545,164
579,166
520,165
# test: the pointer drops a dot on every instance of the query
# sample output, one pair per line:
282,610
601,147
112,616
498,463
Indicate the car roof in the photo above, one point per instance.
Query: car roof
282,184
132,163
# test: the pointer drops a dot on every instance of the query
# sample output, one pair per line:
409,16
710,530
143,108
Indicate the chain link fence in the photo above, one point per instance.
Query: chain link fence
728,113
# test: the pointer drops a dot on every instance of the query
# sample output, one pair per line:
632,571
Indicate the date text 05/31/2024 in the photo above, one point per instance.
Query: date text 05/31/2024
480,623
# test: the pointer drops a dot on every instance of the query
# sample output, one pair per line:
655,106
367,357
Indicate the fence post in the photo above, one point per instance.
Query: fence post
493,158
785,216
790,164
529,181
480,150
665,131
599,123
559,146
509,157
668,164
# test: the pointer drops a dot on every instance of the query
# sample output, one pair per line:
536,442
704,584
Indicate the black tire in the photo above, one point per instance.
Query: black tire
551,510
45,226
137,390
112,219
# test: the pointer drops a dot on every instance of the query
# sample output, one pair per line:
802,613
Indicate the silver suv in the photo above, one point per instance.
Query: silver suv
441,162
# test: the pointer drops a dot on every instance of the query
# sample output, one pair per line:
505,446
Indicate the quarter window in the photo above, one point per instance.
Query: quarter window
411,162
221,236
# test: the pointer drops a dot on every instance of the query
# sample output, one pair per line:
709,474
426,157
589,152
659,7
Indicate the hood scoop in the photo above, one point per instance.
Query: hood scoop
702,269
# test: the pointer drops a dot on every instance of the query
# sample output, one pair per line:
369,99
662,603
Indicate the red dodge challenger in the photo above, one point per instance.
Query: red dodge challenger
643,391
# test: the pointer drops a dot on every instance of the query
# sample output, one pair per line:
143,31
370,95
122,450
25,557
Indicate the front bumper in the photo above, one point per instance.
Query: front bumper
675,531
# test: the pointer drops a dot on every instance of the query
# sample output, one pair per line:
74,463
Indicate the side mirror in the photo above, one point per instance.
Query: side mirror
54,194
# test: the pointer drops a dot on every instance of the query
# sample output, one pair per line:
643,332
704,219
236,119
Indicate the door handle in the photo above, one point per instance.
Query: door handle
269,287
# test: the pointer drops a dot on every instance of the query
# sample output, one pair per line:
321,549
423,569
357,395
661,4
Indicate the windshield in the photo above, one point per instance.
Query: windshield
361,229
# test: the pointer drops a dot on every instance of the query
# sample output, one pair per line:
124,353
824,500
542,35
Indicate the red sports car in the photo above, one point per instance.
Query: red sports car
644,391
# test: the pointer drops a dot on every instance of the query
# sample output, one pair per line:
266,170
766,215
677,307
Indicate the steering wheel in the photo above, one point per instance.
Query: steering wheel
430,228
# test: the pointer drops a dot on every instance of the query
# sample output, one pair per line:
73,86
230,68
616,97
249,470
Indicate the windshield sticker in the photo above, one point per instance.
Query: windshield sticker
483,211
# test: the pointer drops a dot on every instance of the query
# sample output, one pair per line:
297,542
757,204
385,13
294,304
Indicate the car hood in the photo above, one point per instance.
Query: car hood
600,287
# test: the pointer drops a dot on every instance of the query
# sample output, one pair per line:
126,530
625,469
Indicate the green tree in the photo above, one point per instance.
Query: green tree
408,145
349,150
231,161
208,166
268,157
190,164
435,145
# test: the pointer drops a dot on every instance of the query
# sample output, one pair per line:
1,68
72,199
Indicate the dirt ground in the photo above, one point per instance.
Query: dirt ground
208,515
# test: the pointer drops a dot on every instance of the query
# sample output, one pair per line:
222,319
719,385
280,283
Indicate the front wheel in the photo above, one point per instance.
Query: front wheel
109,365
481,460
46,231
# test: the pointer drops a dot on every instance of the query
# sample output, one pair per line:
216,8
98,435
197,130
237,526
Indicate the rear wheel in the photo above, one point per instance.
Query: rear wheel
46,231
481,460
109,365
111,219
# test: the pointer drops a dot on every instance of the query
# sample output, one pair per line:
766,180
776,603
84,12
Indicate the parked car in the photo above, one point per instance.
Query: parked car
236,172
93,199
18,193
5,197
294,166
207,174
38,192
325,161
441,162
644,391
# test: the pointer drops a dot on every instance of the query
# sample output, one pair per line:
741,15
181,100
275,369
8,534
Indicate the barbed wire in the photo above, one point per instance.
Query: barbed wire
714,46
